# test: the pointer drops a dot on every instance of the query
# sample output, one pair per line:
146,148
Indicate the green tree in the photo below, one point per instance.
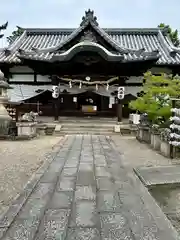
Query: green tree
15,34
156,98
172,34
3,27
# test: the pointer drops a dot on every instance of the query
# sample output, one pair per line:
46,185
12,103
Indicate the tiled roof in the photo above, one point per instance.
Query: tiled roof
130,43
21,92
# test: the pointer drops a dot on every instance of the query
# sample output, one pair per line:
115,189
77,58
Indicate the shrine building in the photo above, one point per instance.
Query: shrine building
88,64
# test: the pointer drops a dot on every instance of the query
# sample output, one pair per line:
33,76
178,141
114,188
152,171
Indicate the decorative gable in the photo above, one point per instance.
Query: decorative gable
88,36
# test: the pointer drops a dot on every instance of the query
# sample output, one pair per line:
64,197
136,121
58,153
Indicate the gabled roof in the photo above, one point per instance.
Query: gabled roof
131,44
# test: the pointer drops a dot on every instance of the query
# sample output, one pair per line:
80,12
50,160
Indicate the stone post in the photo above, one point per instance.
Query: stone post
5,119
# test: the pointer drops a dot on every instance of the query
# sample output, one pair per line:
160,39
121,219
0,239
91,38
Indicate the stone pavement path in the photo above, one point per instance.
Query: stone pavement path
85,194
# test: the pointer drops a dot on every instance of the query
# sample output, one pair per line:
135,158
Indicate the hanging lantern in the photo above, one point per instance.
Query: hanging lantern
74,99
55,91
107,87
121,91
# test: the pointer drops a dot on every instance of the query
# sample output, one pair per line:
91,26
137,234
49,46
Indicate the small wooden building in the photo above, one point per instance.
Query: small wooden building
88,63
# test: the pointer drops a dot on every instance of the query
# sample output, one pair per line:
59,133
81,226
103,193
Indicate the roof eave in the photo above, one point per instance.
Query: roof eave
22,57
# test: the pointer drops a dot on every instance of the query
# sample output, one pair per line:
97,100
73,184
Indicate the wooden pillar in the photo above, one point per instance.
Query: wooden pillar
119,111
56,109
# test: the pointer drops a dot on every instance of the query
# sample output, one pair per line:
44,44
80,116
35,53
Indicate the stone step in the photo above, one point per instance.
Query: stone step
93,131
87,129
86,133
89,125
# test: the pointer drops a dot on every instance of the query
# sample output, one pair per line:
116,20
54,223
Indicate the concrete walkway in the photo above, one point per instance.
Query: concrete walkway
85,194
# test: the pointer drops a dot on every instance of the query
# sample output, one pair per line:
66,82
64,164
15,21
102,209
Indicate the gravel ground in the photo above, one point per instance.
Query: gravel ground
139,154
18,161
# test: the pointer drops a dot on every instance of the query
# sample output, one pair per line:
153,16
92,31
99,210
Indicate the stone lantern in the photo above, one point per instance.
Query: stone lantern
5,119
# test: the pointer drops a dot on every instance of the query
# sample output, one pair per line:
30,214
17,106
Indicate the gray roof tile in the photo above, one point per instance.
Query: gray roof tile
128,41
22,92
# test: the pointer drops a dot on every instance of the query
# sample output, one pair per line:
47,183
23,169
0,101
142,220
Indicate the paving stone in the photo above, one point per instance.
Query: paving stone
86,159
54,225
69,172
84,214
66,184
71,165
43,190
128,198
117,172
104,183
102,172
24,229
100,163
48,177
85,192
114,226
83,234
108,201
55,167
61,200
85,178
33,208
86,167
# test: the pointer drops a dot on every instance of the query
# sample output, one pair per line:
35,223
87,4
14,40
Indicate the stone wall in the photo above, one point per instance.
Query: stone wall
144,134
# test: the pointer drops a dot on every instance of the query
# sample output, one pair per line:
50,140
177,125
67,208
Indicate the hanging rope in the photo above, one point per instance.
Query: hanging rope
89,83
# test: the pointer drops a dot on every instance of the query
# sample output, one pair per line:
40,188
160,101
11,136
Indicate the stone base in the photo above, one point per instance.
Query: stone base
57,128
155,141
165,149
26,129
117,128
50,129
143,134
41,129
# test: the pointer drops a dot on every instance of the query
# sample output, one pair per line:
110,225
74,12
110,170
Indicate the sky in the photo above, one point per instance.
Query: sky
68,13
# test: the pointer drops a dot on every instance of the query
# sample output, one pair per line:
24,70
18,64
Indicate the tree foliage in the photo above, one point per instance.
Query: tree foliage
172,34
155,101
3,27
15,34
